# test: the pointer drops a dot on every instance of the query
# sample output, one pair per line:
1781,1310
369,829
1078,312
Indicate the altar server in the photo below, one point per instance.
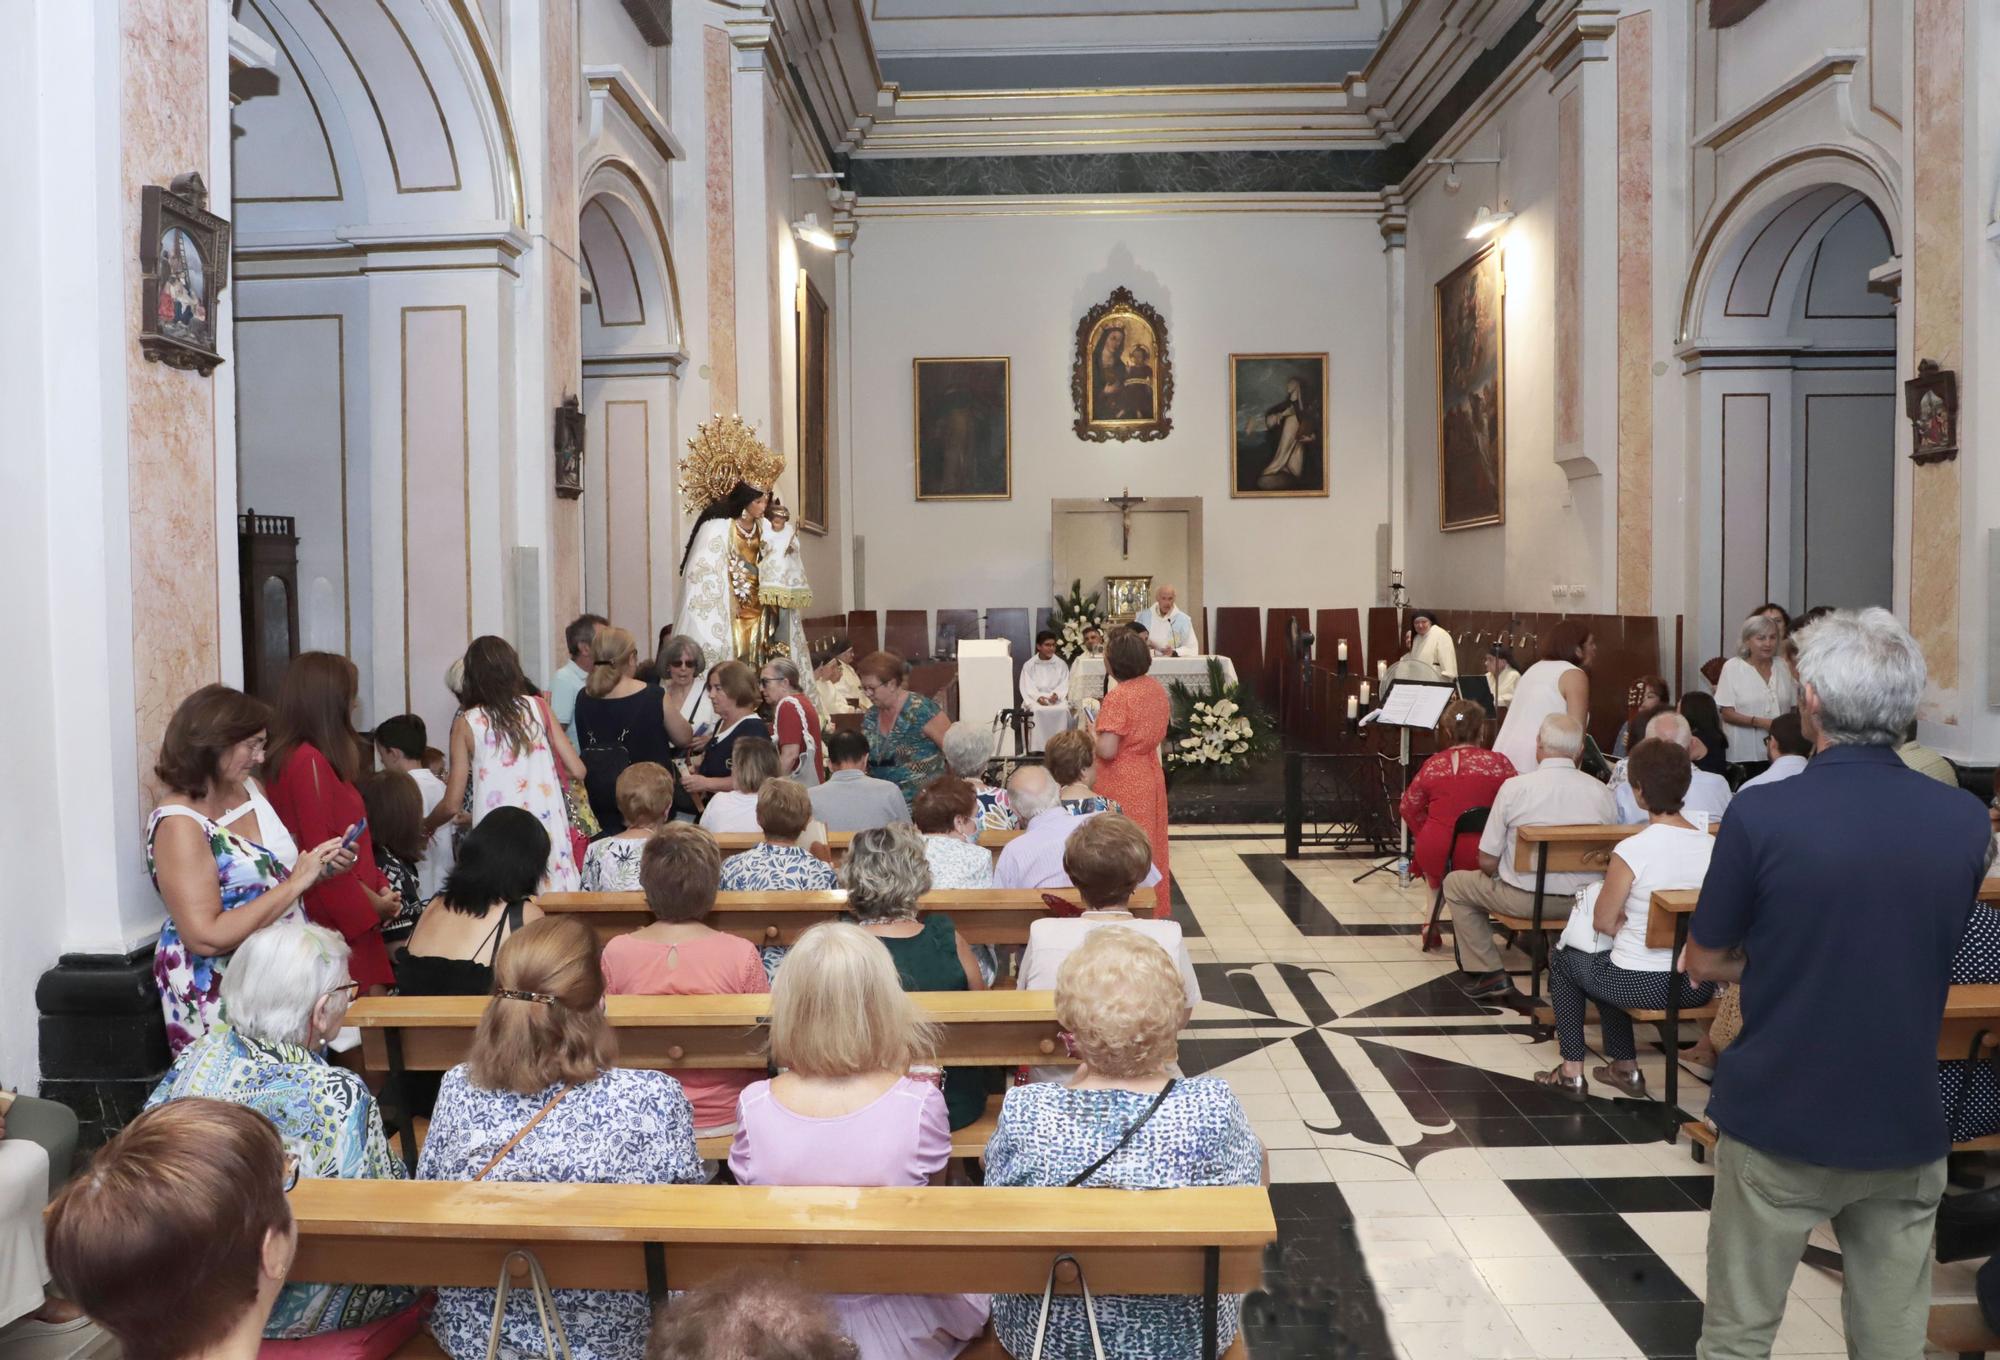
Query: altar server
1045,691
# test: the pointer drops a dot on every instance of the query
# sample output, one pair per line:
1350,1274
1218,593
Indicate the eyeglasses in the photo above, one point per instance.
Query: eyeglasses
767,679
291,1170
681,663
348,990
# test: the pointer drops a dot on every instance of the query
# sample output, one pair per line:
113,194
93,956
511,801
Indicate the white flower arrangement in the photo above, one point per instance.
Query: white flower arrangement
1074,615
1217,735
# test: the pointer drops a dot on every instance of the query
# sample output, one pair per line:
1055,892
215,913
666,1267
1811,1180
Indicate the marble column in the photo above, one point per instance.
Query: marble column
718,145
1934,288
1395,225
1635,313
755,121
563,345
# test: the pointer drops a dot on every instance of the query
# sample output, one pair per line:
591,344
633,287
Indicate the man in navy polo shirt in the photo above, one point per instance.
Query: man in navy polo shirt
1837,898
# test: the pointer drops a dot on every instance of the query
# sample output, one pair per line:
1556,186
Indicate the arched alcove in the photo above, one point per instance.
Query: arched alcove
1791,359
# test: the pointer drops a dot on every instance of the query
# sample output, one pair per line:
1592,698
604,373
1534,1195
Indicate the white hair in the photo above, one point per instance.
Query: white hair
1756,626
966,750
1560,735
1671,726
1033,791
1868,674
277,976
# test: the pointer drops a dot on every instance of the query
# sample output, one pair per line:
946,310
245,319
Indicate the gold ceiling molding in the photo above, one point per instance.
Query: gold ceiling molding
1116,92
1356,204
1186,138
1834,66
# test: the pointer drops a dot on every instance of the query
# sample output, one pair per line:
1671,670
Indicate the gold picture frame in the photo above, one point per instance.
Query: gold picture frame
962,433
814,335
1277,440
1126,596
1469,321
1122,390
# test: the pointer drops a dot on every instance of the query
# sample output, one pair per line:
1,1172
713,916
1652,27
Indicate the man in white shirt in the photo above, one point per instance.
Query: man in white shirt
1786,747
850,800
1554,793
579,637
1045,691
1708,792
1169,631
399,744
1432,645
1034,859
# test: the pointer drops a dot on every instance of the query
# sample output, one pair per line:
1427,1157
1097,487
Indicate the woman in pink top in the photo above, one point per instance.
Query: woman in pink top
846,1111
679,956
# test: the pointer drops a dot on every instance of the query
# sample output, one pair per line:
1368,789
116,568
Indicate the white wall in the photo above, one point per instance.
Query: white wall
1555,530
1273,282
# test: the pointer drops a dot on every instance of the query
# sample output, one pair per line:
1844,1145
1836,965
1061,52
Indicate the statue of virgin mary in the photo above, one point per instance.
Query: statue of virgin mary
727,478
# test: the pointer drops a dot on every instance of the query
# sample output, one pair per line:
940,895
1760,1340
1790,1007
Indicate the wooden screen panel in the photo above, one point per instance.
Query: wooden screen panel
1045,617
1283,684
953,624
908,633
1385,643
1239,636
1011,624
863,632
1329,627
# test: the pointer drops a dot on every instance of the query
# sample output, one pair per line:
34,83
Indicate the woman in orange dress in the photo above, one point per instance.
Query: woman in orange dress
1131,726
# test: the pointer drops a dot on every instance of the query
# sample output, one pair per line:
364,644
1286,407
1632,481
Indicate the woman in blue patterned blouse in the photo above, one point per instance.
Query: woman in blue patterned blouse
544,1044
1120,997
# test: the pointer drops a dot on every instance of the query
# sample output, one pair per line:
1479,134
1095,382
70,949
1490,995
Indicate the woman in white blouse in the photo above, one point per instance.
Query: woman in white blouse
1755,686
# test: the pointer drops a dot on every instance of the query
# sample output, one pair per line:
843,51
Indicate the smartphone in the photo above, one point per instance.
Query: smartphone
354,835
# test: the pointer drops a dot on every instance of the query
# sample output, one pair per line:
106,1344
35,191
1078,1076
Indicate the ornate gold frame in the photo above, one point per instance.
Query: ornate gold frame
1499,385
1325,454
1120,303
814,345
916,422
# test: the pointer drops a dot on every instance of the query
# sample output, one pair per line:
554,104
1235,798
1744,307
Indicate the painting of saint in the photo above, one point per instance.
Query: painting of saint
1471,433
1278,441
964,446
1122,382
182,301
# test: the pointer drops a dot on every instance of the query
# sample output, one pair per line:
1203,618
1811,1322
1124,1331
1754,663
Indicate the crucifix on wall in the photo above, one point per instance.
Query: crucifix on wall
1125,503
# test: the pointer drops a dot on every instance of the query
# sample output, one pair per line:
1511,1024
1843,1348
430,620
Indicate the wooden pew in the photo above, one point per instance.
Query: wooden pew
736,842
1960,1329
994,916
680,1033
1203,1242
1543,850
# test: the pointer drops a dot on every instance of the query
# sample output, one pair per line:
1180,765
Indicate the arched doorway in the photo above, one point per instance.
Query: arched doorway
631,358
1791,363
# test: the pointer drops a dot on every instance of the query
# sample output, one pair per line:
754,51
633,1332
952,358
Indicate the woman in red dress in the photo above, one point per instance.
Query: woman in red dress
1462,775
315,758
1131,725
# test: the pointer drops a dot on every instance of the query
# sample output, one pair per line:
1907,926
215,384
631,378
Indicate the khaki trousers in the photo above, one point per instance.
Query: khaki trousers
1764,1208
1473,898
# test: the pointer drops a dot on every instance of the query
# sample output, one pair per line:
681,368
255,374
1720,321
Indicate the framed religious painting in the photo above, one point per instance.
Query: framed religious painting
1122,381
1277,444
964,444
183,268
815,360
1471,394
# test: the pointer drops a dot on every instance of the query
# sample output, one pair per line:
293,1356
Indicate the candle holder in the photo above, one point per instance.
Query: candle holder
1340,656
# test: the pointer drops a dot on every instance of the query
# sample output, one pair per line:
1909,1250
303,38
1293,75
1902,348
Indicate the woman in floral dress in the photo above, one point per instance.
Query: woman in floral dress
218,854
904,729
507,751
1130,726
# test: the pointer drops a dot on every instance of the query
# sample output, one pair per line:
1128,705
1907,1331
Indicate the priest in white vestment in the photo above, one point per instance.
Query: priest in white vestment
1045,691
1169,631
1433,645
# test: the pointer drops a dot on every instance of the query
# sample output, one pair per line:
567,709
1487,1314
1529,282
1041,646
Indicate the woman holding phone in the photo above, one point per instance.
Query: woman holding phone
314,761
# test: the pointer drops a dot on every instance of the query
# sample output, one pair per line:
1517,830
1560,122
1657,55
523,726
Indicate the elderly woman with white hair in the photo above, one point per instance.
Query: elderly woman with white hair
1121,1121
967,749
1755,686
885,873
283,998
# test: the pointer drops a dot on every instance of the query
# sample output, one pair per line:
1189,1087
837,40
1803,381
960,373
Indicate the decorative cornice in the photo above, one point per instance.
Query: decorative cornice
1582,31
1835,66
614,85
376,250
1394,220
1116,205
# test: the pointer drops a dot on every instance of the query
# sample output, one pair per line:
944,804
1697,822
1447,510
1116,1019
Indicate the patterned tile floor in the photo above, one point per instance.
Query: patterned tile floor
1433,1203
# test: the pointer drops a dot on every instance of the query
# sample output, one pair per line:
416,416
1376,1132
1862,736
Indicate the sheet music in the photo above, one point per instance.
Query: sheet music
1409,704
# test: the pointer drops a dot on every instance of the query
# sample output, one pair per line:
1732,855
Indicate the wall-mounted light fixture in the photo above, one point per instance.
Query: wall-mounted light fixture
809,230
1488,219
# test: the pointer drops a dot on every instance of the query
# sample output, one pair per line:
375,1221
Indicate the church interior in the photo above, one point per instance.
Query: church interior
1352,355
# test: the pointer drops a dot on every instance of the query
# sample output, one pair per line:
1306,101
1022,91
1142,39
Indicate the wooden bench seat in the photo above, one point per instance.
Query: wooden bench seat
836,1241
969,1141
736,842
423,1346
1960,1328
990,916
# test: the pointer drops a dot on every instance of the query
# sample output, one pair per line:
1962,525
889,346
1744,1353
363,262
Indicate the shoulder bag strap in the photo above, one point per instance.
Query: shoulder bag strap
1129,1134
526,1128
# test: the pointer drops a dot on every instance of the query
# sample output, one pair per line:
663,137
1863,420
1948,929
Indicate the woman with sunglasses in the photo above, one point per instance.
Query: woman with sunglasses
286,995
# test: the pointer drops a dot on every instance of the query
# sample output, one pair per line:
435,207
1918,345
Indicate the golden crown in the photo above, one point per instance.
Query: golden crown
724,451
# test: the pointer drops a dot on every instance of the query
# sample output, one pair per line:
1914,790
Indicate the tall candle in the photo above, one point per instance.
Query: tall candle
1341,651
1353,709
1364,692
1381,672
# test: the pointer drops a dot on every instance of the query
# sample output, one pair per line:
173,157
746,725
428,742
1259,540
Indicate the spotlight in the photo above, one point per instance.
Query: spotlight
809,230
1487,221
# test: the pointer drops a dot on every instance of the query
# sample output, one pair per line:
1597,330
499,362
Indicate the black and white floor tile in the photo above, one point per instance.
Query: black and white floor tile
1433,1203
